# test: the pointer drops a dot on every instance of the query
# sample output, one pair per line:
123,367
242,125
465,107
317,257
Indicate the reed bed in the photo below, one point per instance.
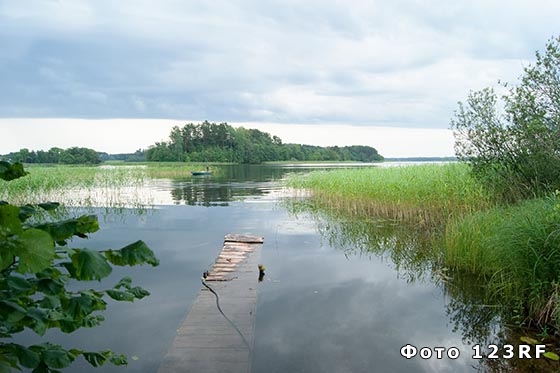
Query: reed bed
174,170
516,251
426,195
72,185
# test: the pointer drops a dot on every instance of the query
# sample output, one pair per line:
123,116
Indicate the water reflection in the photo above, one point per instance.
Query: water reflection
472,312
209,193
320,310
408,248
233,182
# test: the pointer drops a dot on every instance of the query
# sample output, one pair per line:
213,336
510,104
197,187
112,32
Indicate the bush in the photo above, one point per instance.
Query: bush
516,154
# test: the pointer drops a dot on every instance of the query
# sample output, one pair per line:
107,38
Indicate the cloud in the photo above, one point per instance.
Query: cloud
401,63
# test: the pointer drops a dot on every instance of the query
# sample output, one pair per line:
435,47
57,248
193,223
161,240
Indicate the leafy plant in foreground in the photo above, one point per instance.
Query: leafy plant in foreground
36,265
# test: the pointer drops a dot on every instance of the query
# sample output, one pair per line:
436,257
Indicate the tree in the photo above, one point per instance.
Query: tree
516,153
36,265
211,142
76,155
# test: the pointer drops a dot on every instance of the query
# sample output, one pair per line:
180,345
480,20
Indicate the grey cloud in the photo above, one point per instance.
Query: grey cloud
313,61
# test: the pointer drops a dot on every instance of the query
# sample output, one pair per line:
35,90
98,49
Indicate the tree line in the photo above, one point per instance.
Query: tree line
73,155
212,142
206,142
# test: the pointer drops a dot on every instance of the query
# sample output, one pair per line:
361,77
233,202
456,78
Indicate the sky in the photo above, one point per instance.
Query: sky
117,75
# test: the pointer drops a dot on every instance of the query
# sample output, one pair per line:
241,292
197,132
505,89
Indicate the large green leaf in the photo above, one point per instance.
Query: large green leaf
62,230
125,282
56,357
119,359
120,295
12,312
9,359
129,293
8,249
5,366
9,219
89,265
36,251
27,357
92,321
51,286
80,306
10,171
49,206
96,359
37,320
133,254
18,284
50,302
139,292
26,211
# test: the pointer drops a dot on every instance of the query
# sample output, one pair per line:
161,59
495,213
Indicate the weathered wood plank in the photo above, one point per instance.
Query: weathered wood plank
206,341
243,238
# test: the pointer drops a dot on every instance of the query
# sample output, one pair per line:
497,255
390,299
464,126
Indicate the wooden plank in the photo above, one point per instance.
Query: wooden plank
206,341
243,238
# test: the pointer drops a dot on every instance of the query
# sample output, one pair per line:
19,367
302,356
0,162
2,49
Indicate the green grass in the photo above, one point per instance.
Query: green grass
420,194
516,251
69,184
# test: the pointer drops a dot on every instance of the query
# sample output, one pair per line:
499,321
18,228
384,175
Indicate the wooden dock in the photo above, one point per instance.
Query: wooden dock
206,341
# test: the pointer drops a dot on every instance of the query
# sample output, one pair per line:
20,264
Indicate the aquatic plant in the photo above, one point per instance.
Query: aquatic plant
76,185
425,195
516,251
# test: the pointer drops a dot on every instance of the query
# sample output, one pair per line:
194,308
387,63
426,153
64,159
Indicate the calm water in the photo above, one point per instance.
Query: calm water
321,308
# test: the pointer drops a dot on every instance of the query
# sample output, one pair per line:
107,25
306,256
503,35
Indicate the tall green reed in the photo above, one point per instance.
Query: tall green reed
516,250
72,185
425,195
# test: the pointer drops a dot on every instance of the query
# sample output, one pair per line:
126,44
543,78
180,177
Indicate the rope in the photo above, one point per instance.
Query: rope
203,279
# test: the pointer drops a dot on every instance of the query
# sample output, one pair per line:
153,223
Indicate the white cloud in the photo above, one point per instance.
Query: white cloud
112,136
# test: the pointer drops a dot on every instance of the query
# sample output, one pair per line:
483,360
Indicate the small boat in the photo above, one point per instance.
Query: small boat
201,173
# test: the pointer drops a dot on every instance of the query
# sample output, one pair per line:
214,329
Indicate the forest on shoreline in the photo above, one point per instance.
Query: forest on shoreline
206,142
212,142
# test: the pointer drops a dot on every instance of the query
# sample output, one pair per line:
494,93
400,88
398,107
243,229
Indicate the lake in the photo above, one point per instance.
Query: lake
324,305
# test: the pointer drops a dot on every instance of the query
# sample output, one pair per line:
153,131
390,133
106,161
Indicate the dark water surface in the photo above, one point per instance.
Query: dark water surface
320,308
